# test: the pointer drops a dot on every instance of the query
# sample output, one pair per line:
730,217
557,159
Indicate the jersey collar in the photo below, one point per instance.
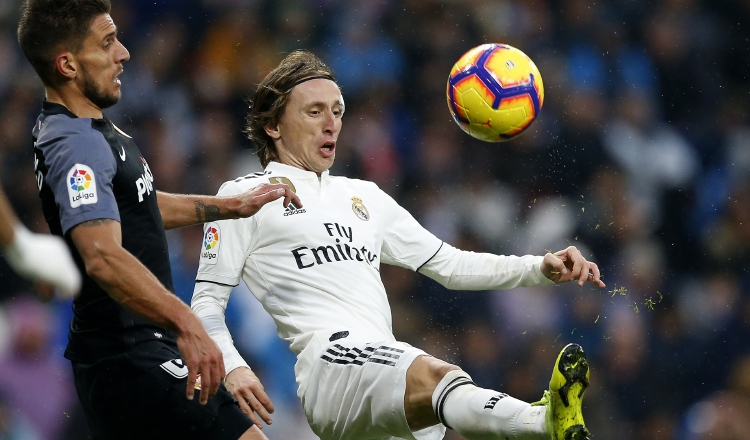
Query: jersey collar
53,108
294,172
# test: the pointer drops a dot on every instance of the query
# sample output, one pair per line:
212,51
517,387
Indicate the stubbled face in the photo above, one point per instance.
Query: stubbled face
306,135
100,63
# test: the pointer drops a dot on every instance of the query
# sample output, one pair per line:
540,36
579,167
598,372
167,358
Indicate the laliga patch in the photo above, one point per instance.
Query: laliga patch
81,186
211,244
175,367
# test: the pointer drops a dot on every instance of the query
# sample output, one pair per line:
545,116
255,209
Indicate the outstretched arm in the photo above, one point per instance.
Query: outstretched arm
40,257
462,270
407,244
178,210
132,285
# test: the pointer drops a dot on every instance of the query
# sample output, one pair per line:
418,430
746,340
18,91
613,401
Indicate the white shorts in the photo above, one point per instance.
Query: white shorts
356,392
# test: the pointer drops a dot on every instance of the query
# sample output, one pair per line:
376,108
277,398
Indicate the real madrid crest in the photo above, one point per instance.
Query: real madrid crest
359,209
283,180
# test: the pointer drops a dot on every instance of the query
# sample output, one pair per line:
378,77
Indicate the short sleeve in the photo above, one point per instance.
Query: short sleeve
80,169
406,243
225,245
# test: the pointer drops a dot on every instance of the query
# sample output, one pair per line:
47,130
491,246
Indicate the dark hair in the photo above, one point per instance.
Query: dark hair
272,95
48,27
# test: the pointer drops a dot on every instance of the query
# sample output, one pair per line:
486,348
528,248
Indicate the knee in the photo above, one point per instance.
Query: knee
437,369
422,379
426,372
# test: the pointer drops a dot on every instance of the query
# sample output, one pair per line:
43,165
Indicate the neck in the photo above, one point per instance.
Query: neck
74,101
286,160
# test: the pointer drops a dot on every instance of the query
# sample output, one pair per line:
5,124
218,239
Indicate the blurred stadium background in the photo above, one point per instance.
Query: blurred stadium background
641,158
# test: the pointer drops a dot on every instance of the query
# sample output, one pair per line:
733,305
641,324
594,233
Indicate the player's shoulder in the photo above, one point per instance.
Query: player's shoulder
243,183
61,126
366,190
356,184
64,141
60,134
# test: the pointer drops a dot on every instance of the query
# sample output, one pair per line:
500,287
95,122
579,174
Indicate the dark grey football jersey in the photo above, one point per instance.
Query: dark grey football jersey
89,169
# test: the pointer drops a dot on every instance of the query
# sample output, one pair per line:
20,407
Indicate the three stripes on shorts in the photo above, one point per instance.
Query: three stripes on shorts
338,354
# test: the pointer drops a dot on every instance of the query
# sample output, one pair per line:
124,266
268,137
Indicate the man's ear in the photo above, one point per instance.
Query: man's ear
66,65
273,132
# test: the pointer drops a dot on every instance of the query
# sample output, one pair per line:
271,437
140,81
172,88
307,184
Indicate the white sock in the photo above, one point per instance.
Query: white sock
479,414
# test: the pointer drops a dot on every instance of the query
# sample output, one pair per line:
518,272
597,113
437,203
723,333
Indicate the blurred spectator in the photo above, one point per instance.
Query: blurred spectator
655,155
727,241
14,426
36,380
358,52
726,414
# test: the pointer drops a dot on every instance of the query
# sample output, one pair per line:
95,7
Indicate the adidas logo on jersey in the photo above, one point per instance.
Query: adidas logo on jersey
292,209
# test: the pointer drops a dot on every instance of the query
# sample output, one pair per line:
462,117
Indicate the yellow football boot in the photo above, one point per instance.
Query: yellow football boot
570,378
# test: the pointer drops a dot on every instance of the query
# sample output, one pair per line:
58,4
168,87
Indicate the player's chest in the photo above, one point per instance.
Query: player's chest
329,216
133,183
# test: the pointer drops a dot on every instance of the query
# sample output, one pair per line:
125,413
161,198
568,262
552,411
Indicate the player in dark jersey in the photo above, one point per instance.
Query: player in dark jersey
134,346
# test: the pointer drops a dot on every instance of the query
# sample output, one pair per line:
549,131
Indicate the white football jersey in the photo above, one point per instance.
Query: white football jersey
315,268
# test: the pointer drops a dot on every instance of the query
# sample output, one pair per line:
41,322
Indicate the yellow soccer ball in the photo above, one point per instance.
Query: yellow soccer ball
495,92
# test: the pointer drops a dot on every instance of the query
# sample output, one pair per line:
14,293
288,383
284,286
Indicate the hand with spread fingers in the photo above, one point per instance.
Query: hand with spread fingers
247,389
251,201
570,265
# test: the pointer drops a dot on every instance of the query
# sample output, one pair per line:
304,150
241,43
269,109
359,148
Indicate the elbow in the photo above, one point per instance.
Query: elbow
162,200
98,268
203,304
207,308
443,279
166,220
197,306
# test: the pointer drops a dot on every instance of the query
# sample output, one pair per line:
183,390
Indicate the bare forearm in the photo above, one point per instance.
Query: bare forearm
125,278
132,285
179,210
